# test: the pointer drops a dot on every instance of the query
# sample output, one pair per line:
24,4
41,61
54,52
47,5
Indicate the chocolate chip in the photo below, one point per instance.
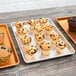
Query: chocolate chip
3,47
31,45
33,52
48,46
40,46
60,44
9,50
34,49
50,35
3,33
64,44
53,35
36,34
39,37
43,36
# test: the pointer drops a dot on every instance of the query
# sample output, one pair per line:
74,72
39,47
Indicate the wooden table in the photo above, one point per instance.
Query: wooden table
65,66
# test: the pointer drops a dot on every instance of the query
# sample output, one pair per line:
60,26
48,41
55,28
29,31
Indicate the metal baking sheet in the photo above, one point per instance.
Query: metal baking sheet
63,22
68,50
14,59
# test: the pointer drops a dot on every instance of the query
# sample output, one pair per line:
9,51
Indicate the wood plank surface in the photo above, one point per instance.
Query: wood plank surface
65,66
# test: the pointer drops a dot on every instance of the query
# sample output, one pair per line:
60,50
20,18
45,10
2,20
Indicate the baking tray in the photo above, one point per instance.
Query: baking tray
64,24
14,60
69,50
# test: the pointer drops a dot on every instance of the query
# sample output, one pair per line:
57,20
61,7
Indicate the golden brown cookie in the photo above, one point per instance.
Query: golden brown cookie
19,24
61,44
45,48
48,29
43,20
39,38
22,31
38,28
26,40
54,35
32,22
30,52
5,54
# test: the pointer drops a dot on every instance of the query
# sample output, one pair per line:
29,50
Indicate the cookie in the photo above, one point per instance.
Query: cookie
32,22
38,28
22,31
43,20
30,52
26,40
39,38
19,24
60,45
48,29
54,36
5,54
45,48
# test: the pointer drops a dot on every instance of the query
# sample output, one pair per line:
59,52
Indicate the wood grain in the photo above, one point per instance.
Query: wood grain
65,66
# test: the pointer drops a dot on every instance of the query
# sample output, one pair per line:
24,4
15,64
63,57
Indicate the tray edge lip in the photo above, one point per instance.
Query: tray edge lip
57,18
